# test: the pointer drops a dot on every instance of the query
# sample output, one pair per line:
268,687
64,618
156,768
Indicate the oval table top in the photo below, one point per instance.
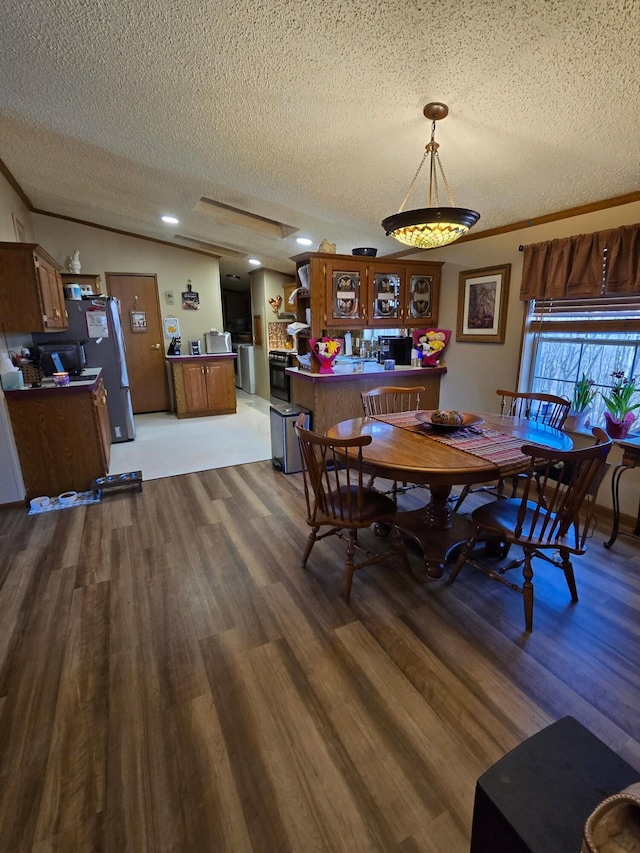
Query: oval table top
399,454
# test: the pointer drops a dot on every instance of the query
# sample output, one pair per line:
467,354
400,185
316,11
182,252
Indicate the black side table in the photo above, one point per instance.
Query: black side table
630,459
537,798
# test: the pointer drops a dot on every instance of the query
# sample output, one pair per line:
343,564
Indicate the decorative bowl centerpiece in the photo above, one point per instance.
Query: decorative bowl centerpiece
367,251
449,420
326,351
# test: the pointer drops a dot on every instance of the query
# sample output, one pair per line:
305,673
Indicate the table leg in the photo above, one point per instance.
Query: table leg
615,500
437,530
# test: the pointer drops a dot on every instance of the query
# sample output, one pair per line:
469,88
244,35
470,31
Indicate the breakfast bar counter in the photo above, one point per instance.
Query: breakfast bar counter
335,397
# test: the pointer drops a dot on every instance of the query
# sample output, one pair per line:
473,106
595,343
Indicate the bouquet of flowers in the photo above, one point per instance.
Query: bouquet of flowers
583,395
326,350
430,343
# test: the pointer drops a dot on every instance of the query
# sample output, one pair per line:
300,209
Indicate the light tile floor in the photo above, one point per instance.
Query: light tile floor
166,445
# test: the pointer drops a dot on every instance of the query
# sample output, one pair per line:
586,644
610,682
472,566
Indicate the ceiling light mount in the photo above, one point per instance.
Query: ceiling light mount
433,226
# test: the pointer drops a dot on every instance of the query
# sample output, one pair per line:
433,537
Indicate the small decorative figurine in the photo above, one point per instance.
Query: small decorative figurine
327,247
174,346
275,302
73,263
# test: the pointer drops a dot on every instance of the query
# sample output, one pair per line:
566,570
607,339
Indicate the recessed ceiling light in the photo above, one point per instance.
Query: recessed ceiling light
255,262
231,275
170,220
304,241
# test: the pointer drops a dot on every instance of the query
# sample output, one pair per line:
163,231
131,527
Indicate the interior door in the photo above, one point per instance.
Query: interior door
143,337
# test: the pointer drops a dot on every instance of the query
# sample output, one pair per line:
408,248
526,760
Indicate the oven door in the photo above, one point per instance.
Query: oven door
279,381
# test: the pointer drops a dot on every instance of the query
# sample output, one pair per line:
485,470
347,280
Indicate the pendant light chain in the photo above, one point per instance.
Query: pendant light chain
431,149
413,182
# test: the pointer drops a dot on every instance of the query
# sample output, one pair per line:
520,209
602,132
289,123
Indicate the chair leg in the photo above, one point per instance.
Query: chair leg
514,487
399,547
567,568
466,549
462,496
527,591
311,540
349,567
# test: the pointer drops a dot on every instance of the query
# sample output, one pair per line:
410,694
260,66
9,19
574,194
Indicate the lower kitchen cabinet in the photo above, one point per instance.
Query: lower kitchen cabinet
62,435
203,386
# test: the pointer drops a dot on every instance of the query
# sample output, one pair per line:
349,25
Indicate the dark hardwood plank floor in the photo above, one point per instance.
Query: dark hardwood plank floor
172,680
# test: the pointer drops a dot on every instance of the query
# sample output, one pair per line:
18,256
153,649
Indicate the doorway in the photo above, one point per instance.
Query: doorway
143,337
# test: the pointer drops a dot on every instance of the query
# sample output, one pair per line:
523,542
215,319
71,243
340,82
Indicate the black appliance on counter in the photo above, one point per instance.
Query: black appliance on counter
397,348
71,353
279,382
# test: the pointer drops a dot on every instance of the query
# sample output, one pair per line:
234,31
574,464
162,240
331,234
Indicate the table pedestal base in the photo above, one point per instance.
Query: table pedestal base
439,546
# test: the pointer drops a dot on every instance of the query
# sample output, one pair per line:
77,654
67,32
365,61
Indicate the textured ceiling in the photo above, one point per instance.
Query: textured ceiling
310,113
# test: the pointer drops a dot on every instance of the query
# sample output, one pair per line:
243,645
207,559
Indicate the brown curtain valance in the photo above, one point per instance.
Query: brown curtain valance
579,266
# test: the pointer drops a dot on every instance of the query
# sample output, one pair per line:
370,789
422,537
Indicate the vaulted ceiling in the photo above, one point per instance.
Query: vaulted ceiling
309,115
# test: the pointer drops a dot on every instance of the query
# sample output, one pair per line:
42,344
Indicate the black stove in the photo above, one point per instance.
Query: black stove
279,381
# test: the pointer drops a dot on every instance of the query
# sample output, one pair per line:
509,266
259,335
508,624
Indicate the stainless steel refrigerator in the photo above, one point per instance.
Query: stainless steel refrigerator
104,346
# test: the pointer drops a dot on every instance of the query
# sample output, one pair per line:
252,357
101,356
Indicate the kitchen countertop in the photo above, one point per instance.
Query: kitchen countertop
48,388
345,372
204,355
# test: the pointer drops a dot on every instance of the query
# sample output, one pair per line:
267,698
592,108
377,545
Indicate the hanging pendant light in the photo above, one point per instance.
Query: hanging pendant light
430,227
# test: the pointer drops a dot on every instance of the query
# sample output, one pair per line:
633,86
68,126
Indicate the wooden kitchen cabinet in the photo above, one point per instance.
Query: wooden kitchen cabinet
203,386
352,292
62,435
31,294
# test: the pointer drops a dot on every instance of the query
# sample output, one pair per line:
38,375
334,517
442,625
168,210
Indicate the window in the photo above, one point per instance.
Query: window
566,338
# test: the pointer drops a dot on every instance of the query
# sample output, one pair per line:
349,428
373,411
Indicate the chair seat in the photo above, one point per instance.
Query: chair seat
501,517
375,505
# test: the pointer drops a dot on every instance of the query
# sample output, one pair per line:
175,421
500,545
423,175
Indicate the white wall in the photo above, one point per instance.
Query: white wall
265,283
103,251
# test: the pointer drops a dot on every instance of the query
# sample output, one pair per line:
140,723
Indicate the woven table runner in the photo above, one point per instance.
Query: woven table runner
490,444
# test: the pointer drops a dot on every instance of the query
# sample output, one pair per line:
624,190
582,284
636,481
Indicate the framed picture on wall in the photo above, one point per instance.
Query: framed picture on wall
483,296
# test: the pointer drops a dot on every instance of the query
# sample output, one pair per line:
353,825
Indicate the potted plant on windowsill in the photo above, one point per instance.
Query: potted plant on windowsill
619,415
583,395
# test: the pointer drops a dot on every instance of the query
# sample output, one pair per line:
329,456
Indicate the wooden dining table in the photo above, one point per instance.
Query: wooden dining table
407,449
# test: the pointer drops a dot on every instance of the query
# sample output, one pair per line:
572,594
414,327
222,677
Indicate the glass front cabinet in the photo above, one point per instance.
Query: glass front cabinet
372,293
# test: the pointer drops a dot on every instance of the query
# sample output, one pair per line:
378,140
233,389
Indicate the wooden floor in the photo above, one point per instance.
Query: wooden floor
171,680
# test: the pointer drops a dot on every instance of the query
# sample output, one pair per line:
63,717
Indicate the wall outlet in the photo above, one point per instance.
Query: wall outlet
169,297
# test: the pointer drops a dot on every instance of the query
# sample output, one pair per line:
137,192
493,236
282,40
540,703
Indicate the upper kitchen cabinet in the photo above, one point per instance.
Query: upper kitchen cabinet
352,292
31,294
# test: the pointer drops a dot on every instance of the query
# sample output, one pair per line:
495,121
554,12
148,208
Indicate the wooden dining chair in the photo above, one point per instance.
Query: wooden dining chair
535,406
338,500
555,513
539,407
389,400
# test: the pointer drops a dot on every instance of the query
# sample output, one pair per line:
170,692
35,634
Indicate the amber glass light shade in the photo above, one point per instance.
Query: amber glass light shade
430,227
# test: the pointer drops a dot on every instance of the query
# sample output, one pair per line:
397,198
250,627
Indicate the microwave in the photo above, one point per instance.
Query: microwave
397,348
